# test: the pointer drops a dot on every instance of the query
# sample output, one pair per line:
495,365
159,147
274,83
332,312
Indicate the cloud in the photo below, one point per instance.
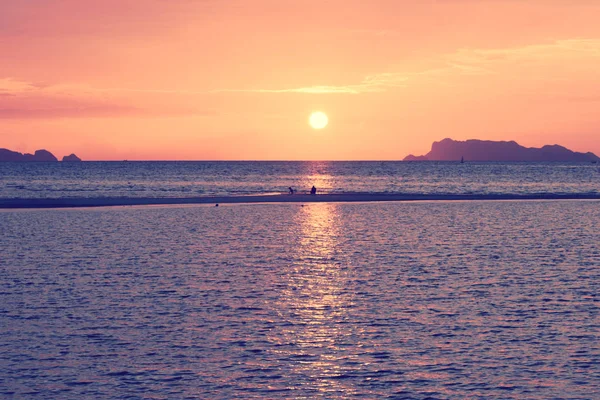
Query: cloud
24,99
109,110
370,84
560,49
21,99
322,89
11,86
48,18
465,62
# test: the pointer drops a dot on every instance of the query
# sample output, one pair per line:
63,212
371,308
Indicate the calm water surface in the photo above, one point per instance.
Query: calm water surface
223,178
440,300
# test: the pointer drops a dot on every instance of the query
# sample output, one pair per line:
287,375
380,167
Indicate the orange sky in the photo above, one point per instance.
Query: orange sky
237,79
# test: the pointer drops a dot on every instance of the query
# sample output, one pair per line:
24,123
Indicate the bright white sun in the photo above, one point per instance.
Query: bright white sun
318,120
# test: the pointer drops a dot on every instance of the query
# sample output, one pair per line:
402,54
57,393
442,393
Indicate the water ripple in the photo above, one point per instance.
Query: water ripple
415,301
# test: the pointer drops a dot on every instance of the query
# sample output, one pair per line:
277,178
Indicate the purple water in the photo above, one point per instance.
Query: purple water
437,300
193,179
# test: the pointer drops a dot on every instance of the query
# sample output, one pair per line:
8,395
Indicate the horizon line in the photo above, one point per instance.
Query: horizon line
294,160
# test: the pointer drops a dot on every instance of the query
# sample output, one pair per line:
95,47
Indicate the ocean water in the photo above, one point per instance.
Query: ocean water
420,300
193,179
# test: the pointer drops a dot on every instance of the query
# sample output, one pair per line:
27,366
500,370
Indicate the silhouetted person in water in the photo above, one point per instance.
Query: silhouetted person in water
313,190
291,190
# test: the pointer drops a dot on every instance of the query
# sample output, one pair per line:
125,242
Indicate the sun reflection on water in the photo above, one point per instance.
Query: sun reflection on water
316,302
318,174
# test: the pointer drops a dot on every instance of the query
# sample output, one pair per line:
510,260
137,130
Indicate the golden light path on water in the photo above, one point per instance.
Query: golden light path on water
316,301
318,174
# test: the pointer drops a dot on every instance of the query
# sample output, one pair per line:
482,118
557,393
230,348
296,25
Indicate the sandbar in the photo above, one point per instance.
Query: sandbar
12,203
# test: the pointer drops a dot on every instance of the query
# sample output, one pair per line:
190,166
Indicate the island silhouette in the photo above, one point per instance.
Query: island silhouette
39,155
444,150
71,158
488,150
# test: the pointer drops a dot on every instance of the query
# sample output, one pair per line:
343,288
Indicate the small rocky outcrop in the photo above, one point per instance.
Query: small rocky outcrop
410,157
71,158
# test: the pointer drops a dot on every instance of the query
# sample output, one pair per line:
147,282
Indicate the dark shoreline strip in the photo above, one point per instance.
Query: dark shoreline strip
298,198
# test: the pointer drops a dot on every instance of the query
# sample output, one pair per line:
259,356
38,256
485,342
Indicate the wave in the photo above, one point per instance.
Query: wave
12,203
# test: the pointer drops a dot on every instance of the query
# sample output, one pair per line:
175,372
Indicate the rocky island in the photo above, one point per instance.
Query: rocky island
71,158
39,155
487,150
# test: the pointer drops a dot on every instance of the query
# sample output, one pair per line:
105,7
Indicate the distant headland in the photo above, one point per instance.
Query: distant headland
39,155
487,150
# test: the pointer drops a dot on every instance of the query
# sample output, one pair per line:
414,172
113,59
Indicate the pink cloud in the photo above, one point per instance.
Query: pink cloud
26,100
72,112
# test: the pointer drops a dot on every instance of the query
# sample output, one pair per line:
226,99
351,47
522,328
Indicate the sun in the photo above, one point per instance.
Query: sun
318,120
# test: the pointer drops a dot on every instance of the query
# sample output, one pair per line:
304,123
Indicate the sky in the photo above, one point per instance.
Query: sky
238,79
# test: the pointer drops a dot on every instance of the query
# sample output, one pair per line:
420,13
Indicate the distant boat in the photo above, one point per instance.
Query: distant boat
462,160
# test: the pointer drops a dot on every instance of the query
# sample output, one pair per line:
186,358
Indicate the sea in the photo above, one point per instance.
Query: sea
477,299
226,178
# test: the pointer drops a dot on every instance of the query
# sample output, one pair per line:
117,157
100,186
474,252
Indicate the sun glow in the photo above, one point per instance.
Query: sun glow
318,120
